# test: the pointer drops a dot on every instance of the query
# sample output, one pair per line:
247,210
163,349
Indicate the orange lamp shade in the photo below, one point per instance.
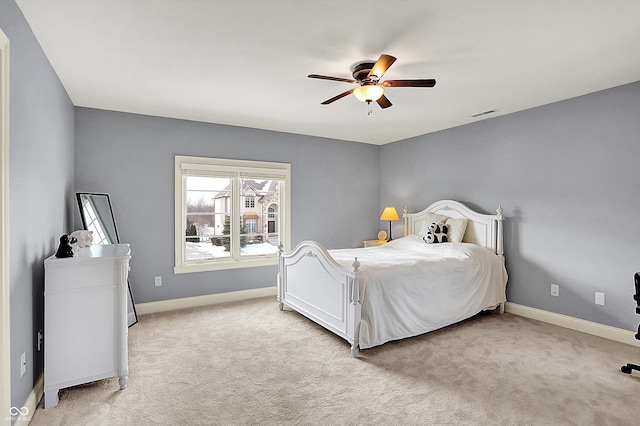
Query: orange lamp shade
389,213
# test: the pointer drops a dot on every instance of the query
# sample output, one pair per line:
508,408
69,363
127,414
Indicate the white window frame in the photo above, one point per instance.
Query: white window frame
239,168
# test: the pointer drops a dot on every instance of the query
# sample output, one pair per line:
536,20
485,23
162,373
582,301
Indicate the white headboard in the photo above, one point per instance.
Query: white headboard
482,229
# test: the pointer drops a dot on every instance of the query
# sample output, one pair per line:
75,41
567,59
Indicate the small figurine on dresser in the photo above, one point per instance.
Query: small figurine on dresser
64,249
83,238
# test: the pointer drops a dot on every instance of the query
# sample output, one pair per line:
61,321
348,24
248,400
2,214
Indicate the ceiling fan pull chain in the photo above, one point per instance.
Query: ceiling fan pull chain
370,111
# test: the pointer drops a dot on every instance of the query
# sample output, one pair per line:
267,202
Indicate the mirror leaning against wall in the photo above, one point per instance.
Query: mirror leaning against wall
97,216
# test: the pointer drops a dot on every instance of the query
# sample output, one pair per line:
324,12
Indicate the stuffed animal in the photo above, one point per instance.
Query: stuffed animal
436,233
83,238
64,249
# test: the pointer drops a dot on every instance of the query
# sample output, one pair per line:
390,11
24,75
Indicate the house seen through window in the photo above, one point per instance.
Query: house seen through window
229,213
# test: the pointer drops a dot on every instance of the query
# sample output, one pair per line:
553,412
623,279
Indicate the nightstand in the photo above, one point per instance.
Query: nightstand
371,243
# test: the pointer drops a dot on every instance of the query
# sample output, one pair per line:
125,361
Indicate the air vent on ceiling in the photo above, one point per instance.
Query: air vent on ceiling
491,111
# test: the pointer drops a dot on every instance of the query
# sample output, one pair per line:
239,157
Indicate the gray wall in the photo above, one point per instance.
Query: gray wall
568,178
41,187
131,157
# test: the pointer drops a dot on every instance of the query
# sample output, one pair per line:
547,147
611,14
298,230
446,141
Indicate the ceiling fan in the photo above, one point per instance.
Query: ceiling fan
367,76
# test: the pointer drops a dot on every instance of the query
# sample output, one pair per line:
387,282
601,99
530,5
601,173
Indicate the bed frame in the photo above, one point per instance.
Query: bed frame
312,283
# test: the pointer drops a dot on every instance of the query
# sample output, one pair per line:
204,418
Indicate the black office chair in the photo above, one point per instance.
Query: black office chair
627,368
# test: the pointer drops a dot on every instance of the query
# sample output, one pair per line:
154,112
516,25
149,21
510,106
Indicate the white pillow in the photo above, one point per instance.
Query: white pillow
428,220
457,227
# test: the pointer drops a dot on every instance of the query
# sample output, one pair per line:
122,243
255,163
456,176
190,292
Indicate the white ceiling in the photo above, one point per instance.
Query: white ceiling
245,62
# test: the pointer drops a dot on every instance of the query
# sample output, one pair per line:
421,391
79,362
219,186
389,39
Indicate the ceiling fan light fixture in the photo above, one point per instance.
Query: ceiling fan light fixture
369,88
368,93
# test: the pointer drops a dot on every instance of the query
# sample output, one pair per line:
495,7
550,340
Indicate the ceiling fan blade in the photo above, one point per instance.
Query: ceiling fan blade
325,77
340,96
409,83
384,102
383,64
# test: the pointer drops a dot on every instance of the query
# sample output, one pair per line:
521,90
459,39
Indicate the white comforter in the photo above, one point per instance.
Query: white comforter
409,287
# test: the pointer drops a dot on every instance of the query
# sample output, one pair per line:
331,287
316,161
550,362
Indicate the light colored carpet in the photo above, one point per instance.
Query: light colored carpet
246,363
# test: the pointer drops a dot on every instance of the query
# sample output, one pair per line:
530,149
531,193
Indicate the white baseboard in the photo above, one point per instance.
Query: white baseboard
30,405
208,299
584,326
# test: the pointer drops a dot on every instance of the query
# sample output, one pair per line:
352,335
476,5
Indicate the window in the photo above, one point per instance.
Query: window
271,224
229,213
249,202
251,226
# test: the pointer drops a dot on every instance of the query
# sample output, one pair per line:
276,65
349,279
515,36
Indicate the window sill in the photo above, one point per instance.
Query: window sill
220,265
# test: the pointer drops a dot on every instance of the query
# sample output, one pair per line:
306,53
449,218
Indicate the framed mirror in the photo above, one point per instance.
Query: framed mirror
97,216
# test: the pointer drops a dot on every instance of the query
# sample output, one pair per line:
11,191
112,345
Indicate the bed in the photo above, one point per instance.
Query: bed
370,296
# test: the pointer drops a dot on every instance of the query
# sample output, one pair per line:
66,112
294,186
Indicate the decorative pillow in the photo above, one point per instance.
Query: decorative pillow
457,227
428,220
436,233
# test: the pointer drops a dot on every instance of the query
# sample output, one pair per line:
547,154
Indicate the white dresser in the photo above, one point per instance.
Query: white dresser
85,318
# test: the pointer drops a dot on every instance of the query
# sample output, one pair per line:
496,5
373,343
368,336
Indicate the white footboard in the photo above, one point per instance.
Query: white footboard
315,285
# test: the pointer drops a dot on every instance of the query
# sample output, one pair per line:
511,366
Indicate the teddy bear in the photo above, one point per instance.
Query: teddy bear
83,238
436,233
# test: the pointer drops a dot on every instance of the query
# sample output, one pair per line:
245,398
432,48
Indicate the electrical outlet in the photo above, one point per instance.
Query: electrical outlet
23,364
555,290
599,298
158,281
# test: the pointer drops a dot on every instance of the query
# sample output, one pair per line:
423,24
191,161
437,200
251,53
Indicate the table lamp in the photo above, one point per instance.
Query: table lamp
389,213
